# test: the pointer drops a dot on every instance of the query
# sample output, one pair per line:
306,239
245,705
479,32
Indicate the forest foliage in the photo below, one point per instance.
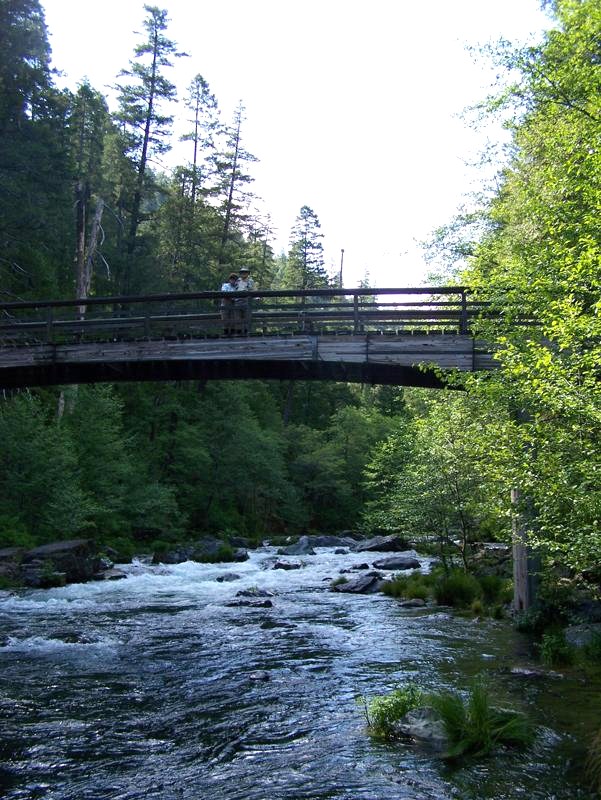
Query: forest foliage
84,211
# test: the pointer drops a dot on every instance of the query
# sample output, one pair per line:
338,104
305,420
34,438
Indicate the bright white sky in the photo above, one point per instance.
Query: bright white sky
352,105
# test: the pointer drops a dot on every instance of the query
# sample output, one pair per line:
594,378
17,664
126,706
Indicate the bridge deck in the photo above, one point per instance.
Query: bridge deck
367,335
365,358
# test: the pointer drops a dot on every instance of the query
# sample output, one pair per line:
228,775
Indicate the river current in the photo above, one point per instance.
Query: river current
154,687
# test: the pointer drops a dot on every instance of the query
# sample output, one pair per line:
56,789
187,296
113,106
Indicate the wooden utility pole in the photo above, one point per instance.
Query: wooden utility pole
526,563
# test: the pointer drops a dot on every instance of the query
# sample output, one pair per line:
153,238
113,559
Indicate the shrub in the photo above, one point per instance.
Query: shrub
384,711
592,650
477,607
474,727
338,581
493,588
555,651
408,586
124,548
224,553
553,609
14,534
458,589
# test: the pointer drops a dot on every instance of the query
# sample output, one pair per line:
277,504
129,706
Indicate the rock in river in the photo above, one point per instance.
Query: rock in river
382,544
398,562
364,584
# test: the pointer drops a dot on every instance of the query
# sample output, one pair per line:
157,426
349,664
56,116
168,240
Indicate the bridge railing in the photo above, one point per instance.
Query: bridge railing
388,311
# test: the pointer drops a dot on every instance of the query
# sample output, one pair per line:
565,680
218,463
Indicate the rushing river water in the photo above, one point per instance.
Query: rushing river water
153,687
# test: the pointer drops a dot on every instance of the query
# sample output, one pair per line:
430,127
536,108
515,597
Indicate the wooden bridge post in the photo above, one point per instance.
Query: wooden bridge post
463,320
355,313
49,324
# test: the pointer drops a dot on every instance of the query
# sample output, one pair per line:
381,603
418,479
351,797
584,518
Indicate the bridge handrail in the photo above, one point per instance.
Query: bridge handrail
216,295
274,311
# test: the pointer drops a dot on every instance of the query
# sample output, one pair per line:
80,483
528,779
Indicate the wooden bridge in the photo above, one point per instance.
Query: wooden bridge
385,336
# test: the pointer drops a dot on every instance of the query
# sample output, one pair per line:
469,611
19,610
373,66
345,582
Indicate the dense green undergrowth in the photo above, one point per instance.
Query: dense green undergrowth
456,588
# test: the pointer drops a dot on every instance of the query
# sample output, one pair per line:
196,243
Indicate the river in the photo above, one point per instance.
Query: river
153,687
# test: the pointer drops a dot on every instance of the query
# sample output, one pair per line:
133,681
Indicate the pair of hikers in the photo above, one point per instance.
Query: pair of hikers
235,311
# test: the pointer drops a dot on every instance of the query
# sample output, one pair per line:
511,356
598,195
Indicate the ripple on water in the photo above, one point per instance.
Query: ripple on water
144,688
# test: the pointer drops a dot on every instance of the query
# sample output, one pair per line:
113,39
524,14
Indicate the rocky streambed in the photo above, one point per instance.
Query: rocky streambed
241,681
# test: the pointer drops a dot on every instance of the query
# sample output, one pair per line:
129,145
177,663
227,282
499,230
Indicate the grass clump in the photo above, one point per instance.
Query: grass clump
384,711
474,727
555,651
458,589
409,587
593,763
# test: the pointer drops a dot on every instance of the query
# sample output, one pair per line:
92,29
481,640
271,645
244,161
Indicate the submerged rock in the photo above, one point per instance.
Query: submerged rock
227,577
534,672
113,574
259,675
254,592
286,565
250,604
415,602
423,725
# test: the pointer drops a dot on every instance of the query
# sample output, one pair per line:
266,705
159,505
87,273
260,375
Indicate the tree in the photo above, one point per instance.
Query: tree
89,123
34,189
232,180
147,129
205,126
437,475
540,263
305,268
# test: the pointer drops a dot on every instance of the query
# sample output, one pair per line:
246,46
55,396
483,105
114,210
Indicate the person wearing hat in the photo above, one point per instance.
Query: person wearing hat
229,312
243,304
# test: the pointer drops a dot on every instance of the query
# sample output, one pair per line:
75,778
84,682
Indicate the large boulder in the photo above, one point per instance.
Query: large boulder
382,544
364,584
583,635
398,562
301,548
492,558
77,559
331,541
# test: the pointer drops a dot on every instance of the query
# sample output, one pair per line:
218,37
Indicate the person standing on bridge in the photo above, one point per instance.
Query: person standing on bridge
228,308
243,304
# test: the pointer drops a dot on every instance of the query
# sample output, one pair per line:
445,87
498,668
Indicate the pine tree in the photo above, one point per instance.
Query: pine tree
305,267
232,180
34,186
146,128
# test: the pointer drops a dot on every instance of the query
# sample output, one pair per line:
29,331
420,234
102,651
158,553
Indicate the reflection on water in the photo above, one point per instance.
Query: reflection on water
153,687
